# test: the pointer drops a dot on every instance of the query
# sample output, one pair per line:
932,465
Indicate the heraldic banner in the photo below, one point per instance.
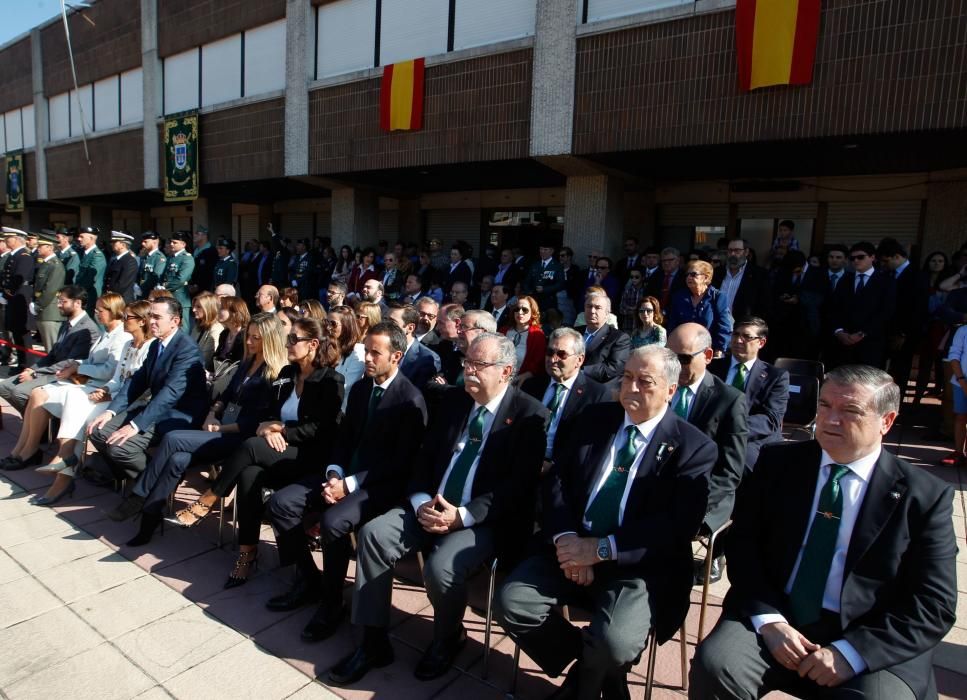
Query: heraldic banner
181,158
14,170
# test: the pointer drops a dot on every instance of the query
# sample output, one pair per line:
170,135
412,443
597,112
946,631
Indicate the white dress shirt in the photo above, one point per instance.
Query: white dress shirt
730,284
555,421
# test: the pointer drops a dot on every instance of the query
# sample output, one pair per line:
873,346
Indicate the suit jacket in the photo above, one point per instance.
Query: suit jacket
18,275
320,409
48,280
383,444
503,494
584,392
870,310
655,282
719,411
121,276
176,382
73,343
754,296
766,396
549,279
504,318
606,354
664,508
910,312
899,581
461,273
203,272
419,364
623,267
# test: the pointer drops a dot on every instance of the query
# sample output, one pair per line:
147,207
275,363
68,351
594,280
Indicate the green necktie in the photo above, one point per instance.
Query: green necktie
738,381
806,595
374,398
453,489
555,402
681,406
603,511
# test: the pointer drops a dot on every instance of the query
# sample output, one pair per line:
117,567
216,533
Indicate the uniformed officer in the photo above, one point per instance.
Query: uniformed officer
151,267
181,265
67,255
17,283
122,268
32,239
205,258
226,269
90,273
280,258
5,350
48,281
300,270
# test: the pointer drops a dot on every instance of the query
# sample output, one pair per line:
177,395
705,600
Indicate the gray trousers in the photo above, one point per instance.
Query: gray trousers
733,662
452,559
48,333
17,395
130,458
621,614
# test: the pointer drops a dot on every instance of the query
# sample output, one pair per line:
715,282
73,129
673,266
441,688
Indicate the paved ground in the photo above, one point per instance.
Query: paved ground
83,616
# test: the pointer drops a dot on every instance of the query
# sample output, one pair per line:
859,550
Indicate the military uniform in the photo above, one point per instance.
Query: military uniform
177,275
122,271
17,284
205,258
151,271
300,271
90,276
48,280
280,261
226,269
71,262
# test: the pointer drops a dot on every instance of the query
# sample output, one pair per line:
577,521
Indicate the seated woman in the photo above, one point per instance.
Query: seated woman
234,416
313,308
306,409
529,340
703,304
84,390
286,317
648,328
234,317
344,331
206,330
368,314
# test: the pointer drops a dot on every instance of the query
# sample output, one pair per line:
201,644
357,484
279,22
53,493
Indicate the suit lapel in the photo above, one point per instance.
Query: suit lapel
757,376
577,393
884,493
702,399
663,443
598,338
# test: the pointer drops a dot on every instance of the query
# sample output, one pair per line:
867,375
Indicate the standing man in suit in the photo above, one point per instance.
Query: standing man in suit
179,271
620,508
16,281
174,374
565,391
909,316
745,286
844,563
631,261
670,280
48,280
122,271
719,411
862,311
418,363
67,255
498,305
569,298
93,265
545,278
152,265
607,348
472,496
205,258
381,434
508,273
766,388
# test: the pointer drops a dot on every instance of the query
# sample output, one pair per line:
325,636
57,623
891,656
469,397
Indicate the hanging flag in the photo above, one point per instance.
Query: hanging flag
181,158
776,41
401,96
14,170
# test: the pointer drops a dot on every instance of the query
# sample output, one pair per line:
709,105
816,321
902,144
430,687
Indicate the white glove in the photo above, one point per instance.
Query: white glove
3,300
137,290
33,309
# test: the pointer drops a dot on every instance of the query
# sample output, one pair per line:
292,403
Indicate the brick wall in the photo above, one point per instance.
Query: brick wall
474,110
15,76
245,143
183,24
117,165
882,66
109,46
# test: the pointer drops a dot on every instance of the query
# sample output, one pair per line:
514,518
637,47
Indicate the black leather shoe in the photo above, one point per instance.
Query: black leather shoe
439,657
149,523
568,689
615,687
127,508
301,593
13,464
360,662
324,622
718,566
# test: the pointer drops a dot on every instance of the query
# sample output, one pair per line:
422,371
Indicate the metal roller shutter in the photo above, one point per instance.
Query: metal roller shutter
297,225
850,222
324,225
452,225
389,226
703,214
248,227
778,210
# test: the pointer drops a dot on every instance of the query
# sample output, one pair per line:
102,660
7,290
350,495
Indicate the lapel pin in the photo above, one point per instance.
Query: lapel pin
895,495
580,391
509,421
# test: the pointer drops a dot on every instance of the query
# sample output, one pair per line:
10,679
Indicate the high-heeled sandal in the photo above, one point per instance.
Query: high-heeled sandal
197,511
246,562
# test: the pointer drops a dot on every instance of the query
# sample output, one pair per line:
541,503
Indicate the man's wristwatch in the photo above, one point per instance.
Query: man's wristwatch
604,549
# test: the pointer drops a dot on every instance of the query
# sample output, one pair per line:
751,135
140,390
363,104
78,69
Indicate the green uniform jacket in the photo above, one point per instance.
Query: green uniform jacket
176,278
90,276
48,280
152,272
71,262
226,271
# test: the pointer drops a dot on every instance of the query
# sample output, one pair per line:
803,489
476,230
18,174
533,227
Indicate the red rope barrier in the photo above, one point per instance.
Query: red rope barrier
20,348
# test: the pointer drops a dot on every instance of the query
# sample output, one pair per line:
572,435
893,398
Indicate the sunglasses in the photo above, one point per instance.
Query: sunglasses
864,256
686,358
522,310
559,354
646,310
293,339
694,273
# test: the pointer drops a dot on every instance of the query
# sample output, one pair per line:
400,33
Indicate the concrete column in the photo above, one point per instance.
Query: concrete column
594,214
552,86
216,214
297,59
40,112
355,217
152,84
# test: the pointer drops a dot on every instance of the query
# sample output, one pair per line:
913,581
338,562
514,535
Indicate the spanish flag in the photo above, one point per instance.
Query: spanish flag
776,41
401,96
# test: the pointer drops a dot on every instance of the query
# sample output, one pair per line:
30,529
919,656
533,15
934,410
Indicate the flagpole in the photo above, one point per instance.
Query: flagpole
77,92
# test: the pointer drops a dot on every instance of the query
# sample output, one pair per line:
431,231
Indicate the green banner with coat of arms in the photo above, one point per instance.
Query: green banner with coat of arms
181,158
14,170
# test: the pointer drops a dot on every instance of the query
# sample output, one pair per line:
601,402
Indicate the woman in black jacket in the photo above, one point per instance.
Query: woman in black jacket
235,415
306,411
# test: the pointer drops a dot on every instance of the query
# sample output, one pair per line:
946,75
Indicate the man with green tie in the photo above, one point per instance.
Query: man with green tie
472,497
620,507
842,563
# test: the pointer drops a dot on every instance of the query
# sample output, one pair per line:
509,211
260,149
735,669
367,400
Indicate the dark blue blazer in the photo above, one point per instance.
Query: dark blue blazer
584,393
419,363
176,382
711,312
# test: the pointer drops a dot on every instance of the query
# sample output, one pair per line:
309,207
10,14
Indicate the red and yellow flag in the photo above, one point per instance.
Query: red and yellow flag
401,96
776,41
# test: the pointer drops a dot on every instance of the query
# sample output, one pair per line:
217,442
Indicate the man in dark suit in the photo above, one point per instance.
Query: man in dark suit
381,433
909,316
472,495
746,286
545,278
766,388
564,390
572,297
508,273
843,563
607,348
122,271
418,363
719,411
499,308
16,282
429,311
669,280
174,374
620,508
861,311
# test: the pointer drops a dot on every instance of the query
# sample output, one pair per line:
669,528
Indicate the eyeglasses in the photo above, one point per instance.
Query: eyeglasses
859,256
686,358
424,314
646,310
522,310
736,250
293,339
559,354
466,329
745,338
695,273
477,365
669,260
602,267
132,317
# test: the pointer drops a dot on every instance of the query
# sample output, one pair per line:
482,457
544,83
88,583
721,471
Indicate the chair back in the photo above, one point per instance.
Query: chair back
803,404
809,368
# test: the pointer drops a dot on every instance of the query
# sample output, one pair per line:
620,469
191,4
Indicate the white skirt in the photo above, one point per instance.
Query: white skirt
70,403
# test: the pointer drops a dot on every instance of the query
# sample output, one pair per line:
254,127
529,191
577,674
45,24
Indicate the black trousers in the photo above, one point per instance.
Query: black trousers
130,459
255,466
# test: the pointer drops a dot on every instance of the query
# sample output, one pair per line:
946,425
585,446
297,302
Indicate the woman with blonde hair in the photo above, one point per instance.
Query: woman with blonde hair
368,315
235,414
313,308
206,330
702,303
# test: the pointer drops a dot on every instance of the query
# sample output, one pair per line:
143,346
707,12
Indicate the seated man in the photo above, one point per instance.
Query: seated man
620,507
419,363
843,563
472,496
381,433
175,377
607,347
766,388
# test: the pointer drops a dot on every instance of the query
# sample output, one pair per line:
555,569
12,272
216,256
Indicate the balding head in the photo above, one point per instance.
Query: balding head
693,344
